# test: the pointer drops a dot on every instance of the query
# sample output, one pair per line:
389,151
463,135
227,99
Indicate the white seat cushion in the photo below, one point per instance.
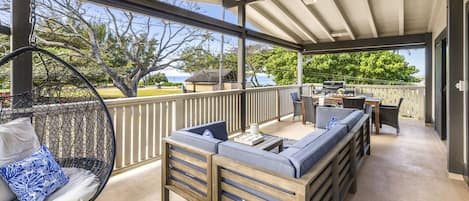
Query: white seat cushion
82,186
18,140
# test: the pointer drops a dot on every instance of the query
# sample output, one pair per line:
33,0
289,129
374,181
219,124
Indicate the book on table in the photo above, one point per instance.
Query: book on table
249,139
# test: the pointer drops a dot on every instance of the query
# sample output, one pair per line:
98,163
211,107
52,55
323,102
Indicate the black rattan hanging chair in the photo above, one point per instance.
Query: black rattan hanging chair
68,114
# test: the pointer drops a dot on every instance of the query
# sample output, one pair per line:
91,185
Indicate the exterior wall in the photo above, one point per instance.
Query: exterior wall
209,87
466,60
439,24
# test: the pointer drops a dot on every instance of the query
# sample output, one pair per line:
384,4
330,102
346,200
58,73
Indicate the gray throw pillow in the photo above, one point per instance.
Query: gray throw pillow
18,140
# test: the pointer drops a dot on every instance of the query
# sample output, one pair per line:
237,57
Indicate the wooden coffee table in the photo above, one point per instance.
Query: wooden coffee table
270,142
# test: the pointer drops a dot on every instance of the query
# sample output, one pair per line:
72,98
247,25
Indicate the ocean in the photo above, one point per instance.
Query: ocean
263,79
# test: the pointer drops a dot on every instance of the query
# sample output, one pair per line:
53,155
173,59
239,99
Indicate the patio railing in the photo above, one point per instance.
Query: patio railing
414,96
142,123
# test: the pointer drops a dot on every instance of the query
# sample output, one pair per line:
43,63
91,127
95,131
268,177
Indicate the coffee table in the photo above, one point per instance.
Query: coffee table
270,142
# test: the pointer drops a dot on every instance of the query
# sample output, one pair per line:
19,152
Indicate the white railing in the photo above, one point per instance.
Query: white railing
142,123
414,96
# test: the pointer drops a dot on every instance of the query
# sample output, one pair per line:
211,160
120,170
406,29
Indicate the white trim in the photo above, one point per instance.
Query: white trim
295,22
344,20
457,177
321,24
371,19
401,15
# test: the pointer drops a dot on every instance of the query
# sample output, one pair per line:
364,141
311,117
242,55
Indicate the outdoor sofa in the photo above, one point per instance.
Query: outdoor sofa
321,166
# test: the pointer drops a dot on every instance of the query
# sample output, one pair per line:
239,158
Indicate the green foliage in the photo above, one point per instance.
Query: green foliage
155,79
171,84
381,67
196,59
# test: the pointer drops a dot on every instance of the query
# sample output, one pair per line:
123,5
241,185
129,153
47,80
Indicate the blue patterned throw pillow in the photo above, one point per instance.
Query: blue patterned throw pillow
34,178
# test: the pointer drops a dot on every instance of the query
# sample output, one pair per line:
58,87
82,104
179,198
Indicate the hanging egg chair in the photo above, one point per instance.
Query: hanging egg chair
67,113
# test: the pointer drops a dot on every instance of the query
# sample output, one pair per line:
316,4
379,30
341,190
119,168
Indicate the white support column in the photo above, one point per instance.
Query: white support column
299,69
299,72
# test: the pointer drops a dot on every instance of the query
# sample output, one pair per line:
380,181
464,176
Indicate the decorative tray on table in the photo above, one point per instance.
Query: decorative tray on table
249,139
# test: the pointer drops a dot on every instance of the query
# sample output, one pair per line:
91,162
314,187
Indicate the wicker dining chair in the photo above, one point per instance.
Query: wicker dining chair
296,105
309,109
355,103
389,115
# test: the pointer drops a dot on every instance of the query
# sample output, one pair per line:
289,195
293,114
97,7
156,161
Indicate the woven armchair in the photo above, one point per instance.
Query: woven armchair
355,103
297,106
389,115
309,109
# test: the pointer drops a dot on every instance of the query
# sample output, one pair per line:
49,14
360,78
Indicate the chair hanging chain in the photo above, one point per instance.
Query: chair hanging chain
32,35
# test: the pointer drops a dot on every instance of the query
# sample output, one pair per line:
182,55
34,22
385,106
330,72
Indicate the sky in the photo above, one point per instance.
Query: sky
415,57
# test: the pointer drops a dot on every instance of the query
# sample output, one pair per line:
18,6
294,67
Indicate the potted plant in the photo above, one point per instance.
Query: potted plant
341,91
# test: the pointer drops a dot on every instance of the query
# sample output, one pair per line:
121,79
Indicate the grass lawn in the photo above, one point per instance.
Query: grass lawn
110,93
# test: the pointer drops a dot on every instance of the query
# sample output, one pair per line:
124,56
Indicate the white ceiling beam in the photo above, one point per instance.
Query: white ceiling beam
321,24
401,11
344,20
295,21
371,19
436,5
278,24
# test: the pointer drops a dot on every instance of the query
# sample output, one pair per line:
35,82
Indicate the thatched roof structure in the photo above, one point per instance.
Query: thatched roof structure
211,76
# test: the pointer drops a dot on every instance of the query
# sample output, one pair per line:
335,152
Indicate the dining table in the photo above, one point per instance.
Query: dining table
373,101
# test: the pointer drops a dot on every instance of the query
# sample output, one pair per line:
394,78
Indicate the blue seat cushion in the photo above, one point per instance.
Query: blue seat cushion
325,114
218,130
196,140
294,96
308,139
352,119
305,158
257,158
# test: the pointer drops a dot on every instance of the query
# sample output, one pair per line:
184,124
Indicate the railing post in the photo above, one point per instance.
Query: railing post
179,116
277,93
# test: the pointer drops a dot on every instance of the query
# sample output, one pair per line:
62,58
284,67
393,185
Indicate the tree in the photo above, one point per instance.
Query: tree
123,45
383,67
256,61
197,59
155,78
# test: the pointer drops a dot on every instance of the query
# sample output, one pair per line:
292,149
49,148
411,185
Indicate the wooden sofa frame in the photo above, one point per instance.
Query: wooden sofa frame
330,179
170,178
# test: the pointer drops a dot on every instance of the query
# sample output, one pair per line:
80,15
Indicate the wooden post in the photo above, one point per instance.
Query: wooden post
22,66
354,161
335,178
242,61
164,169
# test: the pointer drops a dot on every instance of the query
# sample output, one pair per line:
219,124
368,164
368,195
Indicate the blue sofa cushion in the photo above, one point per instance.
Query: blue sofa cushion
305,158
218,130
195,140
352,119
325,114
308,139
257,158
